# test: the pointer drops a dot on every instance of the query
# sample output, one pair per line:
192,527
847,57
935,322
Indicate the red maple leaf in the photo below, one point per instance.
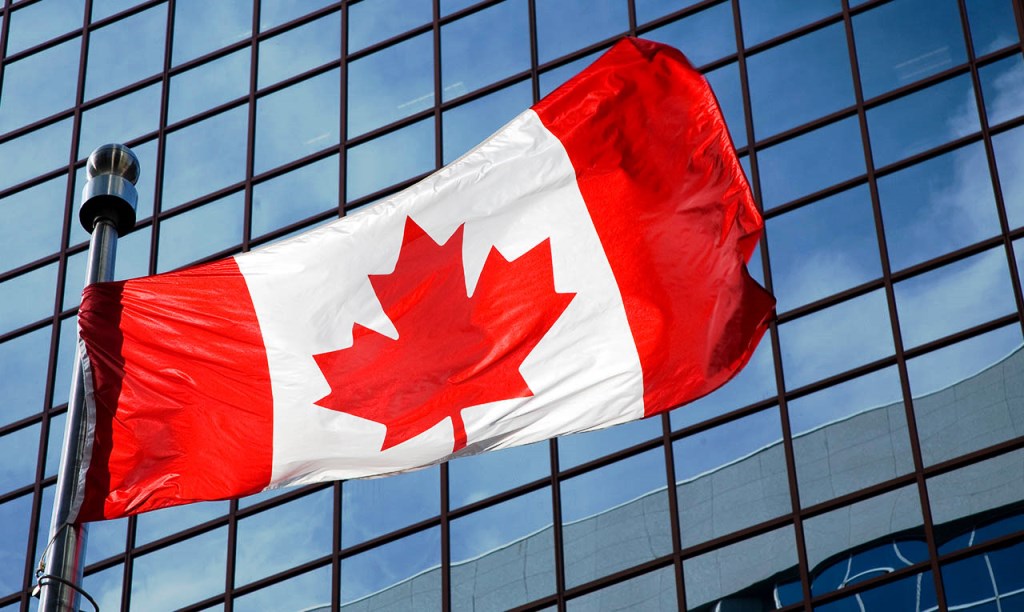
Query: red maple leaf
453,350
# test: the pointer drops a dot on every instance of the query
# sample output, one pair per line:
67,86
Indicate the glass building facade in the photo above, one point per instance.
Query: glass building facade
871,455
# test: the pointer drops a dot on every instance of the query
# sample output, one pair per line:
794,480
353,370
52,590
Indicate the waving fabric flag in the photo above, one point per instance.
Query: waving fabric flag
584,266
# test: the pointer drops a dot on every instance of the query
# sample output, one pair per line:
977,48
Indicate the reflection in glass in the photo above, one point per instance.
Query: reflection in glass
580,448
967,396
992,24
109,67
180,574
39,22
295,196
905,41
390,84
200,232
1009,151
850,436
483,48
297,121
184,178
106,538
468,125
550,80
23,374
703,37
14,517
299,593
755,382
992,578
49,146
405,573
957,296
372,22
18,452
923,120
208,85
105,586
563,26
938,206
765,19
370,508
480,476
648,10
811,162
54,442
300,49
389,159
503,556
120,120
67,344
836,339
609,528
652,591
913,593
201,27
816,64
152,526
27,297
823,248
730,477
277,12
886,531
285,536
37,234
731,572
1002,84
38,86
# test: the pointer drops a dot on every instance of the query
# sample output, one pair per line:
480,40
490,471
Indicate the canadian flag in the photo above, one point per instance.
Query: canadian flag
583,267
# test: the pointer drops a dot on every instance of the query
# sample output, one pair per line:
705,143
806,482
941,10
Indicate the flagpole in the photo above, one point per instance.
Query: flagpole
108,210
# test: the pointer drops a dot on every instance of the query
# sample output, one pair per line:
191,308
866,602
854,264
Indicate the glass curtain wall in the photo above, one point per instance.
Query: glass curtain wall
870,457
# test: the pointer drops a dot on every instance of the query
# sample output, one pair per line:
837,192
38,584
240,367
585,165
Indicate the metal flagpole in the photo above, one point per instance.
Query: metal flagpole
108,210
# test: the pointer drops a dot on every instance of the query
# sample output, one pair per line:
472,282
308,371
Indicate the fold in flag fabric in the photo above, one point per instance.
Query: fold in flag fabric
584,266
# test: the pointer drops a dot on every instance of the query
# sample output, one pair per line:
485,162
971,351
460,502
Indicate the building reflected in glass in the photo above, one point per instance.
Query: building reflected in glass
871,455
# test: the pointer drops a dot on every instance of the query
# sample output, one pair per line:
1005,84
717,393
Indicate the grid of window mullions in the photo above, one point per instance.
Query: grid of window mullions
795,518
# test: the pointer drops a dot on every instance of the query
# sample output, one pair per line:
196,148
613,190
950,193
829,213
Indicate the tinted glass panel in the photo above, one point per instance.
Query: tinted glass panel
299,50
201,27
110,68
390,84
370,508
564,26
295,196
285,536
390,158
39,22
374,21
200,232
992,24
1002,84
23,374
180,574
703,37
468,125
209,85
297,121
405,572
722,572
764,19
39,85
484,47
37,233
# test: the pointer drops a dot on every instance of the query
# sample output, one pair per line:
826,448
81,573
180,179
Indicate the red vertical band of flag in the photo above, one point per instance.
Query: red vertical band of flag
200,419
671,205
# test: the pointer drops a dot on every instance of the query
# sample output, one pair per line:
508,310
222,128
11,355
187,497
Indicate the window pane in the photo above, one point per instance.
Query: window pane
120,120
720,573
209,85
992,24
1002,84
550,80
652,591
27,298
389,159
276,12
297,121
39,22
40,214
295,196
201,27
105,586
200,232
18,452
38,86
23,363
110,67
703,37
823,248
648,10
965,395
67,346
913,593
905,41
480,476
304,592
106,538
49,146
468,125
402,575
285,536
14,517
180,574
1009,150
811,162
609,528
817,65
580,448
503,556
371,508
850,436
184,178
158,524
981,492
300,49
390,84
954,297
563,26
725,82
836,339
483,48
730,477
765,19
372,22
